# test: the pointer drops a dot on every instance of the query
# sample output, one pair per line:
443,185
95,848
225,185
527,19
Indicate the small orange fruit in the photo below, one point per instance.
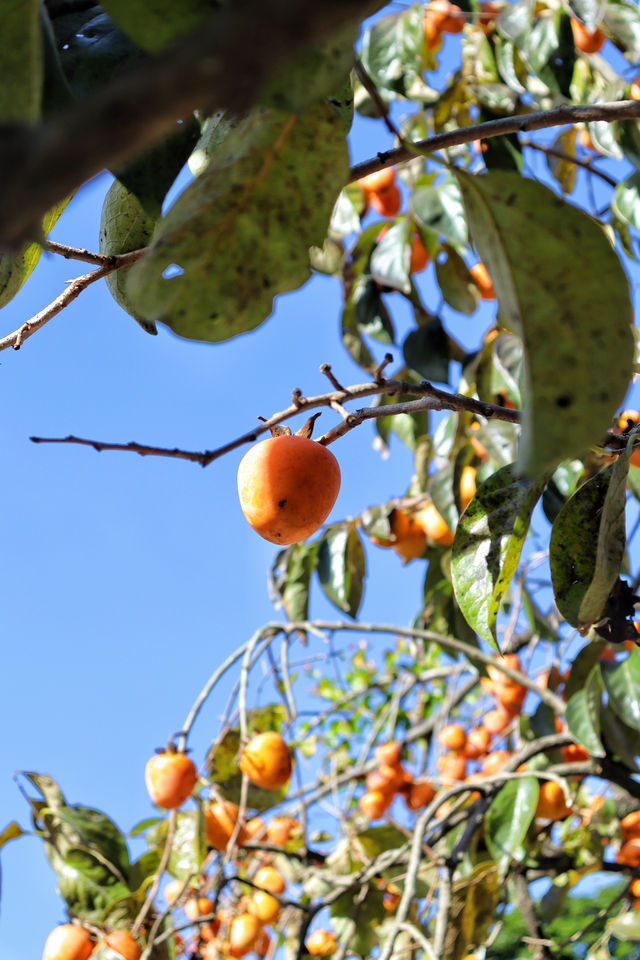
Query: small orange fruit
434,525
321,943
482,281
478,740
220,820
392,897
388,754
373,803
420,793
452,766
387,203
266,760
634,93
630,825
634,887
408,536
419,255
261,946
123,943
243,933
173,890
270,879
551,801
626,420
263,906
198,907
279,830
68,942
453,737
496,721
287,486
379,181
256,828
574,753
629,852
170,777
467,486
494,762
587,41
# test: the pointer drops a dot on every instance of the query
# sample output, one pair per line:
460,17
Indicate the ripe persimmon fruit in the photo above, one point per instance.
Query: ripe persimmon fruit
387,202
494,762
626,420
243,933
388,754
629,852
552,804
452,766
270,879
373,803
123,943
220,820
478,740
266,760
68,942
420,793
287,486
483,282
407,535
264,906
261,946
453,737
279,830
321,943
419,255
434,525
630,825
170,777
198,907
496,721
587,41
379,181
467,486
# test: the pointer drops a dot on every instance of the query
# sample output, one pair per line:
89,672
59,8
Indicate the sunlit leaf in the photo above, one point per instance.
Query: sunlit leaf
622,683
456,283
508,820
621,740
487,545
573,322
583,714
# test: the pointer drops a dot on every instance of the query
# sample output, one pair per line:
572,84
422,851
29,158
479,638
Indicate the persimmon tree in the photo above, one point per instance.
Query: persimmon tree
465,785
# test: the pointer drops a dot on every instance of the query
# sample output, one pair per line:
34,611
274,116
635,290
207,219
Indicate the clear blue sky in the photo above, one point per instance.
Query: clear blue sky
126,580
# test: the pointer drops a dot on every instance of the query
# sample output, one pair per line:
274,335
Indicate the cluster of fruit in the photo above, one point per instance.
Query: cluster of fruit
69,941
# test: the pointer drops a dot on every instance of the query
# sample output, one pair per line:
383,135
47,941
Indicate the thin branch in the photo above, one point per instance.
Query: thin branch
560,155
538,120
380,105
75,288
434,399
76,253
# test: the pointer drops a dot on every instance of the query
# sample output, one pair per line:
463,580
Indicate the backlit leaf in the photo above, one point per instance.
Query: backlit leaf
20,62
455,282
240,233
622,683
572,315
16,268
487,545
583,714
508,820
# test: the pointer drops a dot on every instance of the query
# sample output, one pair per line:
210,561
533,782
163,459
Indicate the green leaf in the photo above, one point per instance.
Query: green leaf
16,268
189,845
622,683
92,50
391,256
487,545
564,171
426,350
625,927
588,11
456,283
21,63
626,201
152,24
290,576
240,233
560,487
582,666
342,567
587,546
361,936
124,226
508,820
621,740
377,840
439,208
392,51
583,714
573,319
369,310
621,18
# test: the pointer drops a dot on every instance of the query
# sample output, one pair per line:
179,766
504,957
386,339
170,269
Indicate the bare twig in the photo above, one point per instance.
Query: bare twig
76,253
75,288
560,155
381,106
434,399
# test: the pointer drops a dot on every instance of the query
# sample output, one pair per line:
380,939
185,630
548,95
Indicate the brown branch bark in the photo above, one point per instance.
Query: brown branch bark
215,66
434,399
539,120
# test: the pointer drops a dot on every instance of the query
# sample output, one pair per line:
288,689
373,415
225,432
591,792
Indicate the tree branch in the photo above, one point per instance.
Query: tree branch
214,66
17,338
434,399
539,120
561,155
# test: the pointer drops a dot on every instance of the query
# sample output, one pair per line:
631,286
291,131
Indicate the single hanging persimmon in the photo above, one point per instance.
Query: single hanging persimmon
266,760
68,942
220,820
287,486
170,777
122,943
